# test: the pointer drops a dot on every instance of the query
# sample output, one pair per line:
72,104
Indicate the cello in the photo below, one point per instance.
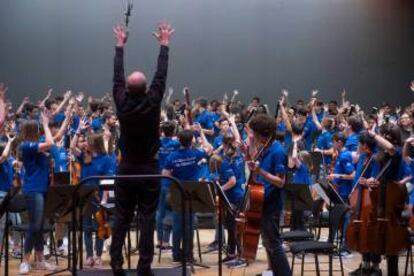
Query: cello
249,217
360,203
391,233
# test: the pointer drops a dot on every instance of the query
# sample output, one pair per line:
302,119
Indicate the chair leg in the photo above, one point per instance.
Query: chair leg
411,259
21,246
330,264
293,261
407,257
129,249
198,244
303,264
159,254
341,264
318,273
53,245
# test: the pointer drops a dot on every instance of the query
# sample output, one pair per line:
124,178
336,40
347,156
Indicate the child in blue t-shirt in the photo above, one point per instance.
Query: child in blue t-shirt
168,144
94,161
300,163
35,186
183,164
231,174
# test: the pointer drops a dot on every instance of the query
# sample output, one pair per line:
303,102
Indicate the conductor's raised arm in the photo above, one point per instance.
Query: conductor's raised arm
119,74
157,88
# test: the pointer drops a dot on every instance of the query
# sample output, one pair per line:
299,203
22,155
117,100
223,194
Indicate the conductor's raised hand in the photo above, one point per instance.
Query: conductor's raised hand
121,35
164,33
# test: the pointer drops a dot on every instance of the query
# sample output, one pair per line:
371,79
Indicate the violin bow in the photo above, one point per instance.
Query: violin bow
128,11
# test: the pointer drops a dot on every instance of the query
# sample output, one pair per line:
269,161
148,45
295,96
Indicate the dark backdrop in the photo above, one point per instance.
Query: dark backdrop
255,46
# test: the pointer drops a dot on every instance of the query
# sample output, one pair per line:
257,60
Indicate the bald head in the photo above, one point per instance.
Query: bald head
137,83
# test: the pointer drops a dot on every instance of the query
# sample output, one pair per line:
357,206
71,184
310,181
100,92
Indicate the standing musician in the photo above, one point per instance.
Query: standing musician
271,171
390,143
138,110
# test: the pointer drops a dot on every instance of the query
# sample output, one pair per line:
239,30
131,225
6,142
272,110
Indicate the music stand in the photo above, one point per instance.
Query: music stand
298,197
224,203
61,178
327,191
317,160
59,205
200,200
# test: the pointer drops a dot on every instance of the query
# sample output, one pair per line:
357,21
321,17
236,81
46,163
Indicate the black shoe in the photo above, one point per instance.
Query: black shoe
375,272
145,273
118,272
228,259
360,271
213,246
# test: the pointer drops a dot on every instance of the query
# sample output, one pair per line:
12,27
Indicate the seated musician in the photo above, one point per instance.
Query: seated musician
183,164
271,171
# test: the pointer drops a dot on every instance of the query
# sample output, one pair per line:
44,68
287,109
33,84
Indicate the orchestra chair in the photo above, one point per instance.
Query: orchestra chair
316,247
409,256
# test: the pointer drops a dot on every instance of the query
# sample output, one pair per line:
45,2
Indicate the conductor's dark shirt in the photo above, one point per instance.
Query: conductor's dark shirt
139,116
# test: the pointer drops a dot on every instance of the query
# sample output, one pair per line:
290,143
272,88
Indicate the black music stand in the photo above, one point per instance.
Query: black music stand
200,200
317,161
330,196
61,178
7,201
59,205
298,196
224,203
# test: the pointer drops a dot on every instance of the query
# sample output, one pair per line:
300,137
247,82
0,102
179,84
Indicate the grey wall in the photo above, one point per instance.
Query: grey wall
255,46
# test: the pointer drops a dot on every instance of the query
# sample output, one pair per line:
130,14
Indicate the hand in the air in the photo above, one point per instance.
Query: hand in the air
121,35
164,33
3,90
412,86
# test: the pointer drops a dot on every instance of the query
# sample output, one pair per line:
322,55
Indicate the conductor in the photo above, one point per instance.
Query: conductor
138,109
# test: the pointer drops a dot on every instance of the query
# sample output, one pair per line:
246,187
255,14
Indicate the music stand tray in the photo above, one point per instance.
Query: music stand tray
327,191
298,196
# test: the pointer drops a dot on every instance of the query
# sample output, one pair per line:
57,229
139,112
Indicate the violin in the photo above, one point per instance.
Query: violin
101,216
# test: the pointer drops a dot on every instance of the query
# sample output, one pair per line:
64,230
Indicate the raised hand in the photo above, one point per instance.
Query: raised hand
80,97
3,90
164,33
67,94
11,137
45,115
121,35
412,86
49,92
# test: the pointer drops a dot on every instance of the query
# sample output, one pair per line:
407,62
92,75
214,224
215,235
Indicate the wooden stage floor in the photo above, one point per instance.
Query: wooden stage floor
210,259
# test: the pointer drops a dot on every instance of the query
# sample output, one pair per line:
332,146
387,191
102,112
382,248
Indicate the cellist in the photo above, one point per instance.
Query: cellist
271,171
366,170
390,144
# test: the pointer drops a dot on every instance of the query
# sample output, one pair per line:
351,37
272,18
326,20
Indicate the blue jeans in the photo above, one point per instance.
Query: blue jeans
273,244
163,214
89,226
178,236
35,203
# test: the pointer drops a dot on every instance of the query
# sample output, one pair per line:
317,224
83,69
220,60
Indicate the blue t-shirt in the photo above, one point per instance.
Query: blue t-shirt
352,141
6,174
274,161
184,163
301,175
343,165
218,141
233,167
60,157
205,120
59,117
167,146
307,133
372,170
36,167
100,165
324,142
97,123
